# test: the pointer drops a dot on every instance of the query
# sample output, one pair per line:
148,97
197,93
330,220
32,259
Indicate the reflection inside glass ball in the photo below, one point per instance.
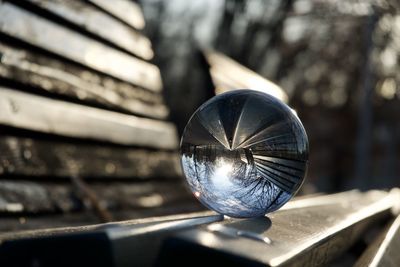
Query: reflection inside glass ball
244,153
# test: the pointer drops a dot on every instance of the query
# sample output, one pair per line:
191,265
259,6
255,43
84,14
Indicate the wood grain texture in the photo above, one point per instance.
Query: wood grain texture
37,158
51,75
100,23
22,110
127,11
21,196
28,27
77,222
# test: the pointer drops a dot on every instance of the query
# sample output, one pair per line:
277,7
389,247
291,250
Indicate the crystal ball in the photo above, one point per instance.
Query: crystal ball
244,153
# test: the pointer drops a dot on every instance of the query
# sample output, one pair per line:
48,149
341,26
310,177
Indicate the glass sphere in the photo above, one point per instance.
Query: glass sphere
244,153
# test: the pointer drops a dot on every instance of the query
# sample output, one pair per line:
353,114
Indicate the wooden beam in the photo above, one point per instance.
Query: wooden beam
228,75
45,115
95,21
110,247
309,235
28,27
127,11
70,80
39,158
384,250
18,226
21,196
71,228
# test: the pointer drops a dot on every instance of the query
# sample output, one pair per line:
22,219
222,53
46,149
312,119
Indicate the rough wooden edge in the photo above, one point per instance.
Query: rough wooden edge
22,196
38,158
101,24
41,158
45,115
127,11
46,74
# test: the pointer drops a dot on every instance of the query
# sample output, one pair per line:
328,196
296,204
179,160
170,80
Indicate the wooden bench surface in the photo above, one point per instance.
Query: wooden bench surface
83,121
307,231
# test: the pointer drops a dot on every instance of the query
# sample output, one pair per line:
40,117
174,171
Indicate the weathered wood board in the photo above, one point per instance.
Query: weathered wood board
74,226
43,158
384,250
100,23
45,115
310,233
48,74
22,196
125,10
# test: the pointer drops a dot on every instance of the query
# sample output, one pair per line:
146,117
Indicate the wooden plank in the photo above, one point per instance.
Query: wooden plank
23,223
71,228
45,115
17,226
37,158
101,24
384,251
53,76
228,75
21,196
116,246
127,11
50,36
305,236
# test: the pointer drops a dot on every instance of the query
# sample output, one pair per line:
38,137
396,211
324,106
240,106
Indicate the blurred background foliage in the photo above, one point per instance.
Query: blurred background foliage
338,61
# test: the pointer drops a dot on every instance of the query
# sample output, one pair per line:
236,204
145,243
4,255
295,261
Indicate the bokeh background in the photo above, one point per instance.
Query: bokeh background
338,61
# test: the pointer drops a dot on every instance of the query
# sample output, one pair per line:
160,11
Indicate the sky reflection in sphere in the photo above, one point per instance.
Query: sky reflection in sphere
244,153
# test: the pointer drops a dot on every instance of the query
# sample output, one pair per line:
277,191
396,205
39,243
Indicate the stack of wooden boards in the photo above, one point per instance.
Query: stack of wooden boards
82,117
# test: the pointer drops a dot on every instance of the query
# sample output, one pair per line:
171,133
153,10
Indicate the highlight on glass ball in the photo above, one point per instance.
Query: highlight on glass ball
244,153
